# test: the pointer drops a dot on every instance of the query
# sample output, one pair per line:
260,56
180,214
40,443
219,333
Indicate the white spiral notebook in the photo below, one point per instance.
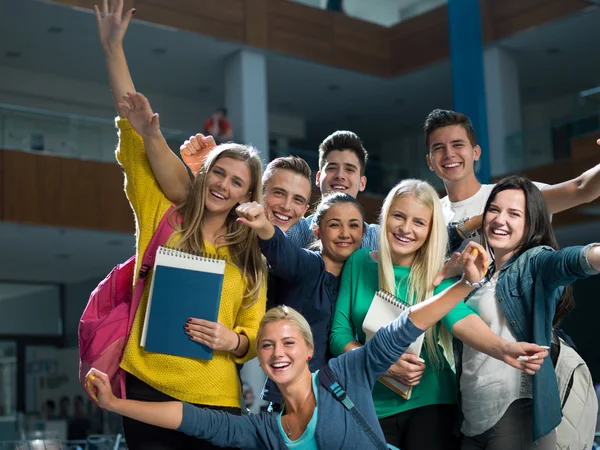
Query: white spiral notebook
183,286
384,308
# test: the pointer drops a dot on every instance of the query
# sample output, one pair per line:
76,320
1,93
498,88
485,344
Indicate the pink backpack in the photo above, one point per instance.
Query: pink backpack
108,317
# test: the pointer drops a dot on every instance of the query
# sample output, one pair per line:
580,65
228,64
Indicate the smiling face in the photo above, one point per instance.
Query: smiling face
341,231
227,184
283,352
407,228
286,196
451,154
504,224
341,172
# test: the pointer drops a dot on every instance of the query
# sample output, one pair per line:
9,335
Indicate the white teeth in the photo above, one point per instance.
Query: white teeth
279,365
281,217
500,232
451,166
402,239
343,244
339,188
216,194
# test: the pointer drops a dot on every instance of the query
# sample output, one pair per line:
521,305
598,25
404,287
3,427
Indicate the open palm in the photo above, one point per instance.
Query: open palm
111,23
136,108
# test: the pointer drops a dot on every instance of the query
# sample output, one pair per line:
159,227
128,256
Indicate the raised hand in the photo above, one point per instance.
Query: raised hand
474,261
451,269
194,151
214,335
408,370
524,356
97,385
136,108
112,26
253,215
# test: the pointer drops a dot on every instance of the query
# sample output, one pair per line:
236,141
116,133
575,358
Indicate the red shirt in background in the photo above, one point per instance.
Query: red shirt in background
224,126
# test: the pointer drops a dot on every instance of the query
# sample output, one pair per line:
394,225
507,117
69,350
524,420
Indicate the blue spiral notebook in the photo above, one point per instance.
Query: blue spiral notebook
183,286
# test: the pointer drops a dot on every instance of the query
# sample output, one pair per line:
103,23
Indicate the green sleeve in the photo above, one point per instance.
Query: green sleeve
459,312
342,329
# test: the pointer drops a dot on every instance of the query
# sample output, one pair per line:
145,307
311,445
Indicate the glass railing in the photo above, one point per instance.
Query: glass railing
539,146
386,13
62,134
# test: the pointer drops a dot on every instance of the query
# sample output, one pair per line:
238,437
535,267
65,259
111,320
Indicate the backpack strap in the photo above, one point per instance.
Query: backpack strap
330,382
160,236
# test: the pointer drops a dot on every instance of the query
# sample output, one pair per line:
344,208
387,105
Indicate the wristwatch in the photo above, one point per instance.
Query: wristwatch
462,228
477,284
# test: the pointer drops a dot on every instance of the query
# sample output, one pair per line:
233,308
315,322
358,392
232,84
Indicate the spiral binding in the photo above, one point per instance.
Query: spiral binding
205,257
391,298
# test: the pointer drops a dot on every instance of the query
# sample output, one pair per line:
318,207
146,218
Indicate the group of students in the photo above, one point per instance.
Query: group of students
316,276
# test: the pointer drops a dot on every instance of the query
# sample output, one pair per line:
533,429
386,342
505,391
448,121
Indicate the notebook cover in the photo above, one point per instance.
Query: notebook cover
178,294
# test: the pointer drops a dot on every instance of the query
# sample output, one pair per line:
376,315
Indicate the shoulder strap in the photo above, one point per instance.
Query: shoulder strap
160,236
330,382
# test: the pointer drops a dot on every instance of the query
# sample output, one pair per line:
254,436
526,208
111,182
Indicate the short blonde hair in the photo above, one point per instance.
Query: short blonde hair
279,313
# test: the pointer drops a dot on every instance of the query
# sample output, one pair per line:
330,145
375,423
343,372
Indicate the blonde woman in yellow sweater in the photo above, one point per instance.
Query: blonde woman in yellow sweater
230,175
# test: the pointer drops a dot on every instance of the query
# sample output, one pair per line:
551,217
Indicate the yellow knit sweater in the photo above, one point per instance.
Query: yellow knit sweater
213,382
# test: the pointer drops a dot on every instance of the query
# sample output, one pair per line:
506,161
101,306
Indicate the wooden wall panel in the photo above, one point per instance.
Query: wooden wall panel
63,192
361,46
194,20
420,41
584,147
300,30
257,26
512,16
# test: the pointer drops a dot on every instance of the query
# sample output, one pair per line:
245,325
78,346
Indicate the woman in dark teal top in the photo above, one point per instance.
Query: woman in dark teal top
412,247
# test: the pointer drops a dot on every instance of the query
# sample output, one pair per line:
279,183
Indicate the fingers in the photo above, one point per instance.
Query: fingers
97,14
413,359
117,7
105,7
249,212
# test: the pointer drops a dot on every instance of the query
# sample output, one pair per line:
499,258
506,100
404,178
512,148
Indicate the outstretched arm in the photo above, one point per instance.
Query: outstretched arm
112,27
583,189
476,334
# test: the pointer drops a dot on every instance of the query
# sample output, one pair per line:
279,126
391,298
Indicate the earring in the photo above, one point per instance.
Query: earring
431,168
309,357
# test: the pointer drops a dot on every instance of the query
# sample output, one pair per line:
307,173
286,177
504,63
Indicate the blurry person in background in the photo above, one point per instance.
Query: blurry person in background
218,126
50,410
64,408
80,424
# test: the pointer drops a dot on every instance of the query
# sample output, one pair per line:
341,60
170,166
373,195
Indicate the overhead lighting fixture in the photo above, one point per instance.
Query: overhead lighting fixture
590,92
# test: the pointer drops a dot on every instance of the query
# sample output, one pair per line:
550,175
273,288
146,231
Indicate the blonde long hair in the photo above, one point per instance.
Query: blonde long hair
428,260
239,239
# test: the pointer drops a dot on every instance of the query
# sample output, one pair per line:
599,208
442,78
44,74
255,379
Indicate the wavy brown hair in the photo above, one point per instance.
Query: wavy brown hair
239,239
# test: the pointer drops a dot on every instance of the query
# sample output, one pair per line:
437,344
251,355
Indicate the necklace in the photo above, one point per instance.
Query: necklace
287,423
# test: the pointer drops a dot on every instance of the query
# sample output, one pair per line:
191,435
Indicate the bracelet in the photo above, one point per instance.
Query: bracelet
477,284
462,229
239,342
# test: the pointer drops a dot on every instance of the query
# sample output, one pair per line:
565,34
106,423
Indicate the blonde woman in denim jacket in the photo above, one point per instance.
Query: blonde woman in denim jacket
521,297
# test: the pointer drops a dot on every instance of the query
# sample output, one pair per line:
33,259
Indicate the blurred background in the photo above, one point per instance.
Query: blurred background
289,73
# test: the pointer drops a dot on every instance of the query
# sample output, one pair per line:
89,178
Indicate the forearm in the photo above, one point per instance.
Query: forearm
161,414
267,232
429,312
476,334
168,169
118,74
352,345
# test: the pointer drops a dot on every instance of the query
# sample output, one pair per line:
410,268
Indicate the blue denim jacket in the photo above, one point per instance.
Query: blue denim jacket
528,289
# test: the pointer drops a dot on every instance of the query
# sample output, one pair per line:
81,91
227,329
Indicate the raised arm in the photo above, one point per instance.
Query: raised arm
563,267
285,259
167,167
583,189
222,429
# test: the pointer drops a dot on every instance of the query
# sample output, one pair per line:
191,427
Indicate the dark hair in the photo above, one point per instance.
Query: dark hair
292,163
440,118
538,230
50,404
335,198
343,140
222,110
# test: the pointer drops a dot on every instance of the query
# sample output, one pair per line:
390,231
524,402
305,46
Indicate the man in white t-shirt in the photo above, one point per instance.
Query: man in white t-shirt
451,153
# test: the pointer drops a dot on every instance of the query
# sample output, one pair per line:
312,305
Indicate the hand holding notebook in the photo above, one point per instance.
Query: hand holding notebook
183,286
384,308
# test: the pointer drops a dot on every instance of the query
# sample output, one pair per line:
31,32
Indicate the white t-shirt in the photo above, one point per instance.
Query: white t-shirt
473,206
489,386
